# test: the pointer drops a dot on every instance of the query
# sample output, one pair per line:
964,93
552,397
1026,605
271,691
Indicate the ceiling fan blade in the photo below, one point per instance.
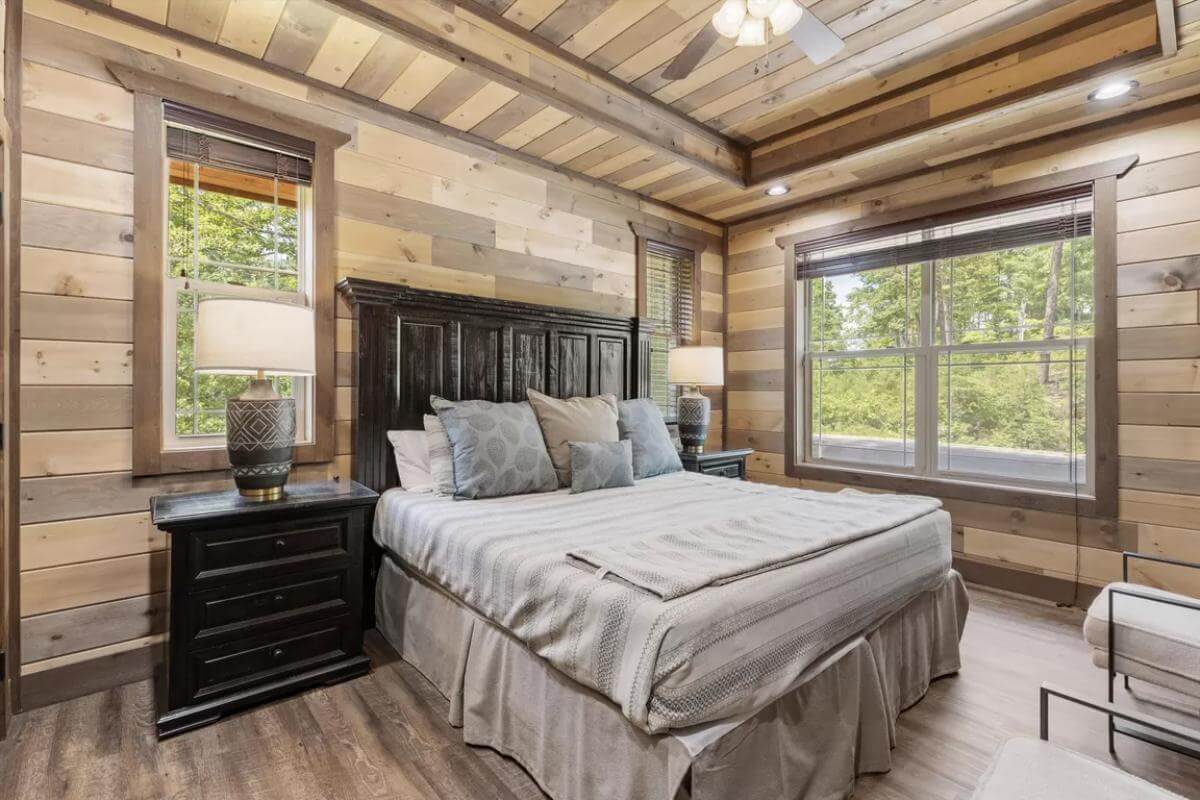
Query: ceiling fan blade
815,38
696,49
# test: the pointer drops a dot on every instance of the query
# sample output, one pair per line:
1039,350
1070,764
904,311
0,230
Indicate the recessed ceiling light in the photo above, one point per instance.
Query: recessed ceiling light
1113,90
778,190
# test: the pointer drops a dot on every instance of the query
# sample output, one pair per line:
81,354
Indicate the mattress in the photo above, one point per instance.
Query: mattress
712,654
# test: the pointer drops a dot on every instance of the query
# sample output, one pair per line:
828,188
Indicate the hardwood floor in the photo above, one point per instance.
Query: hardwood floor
386,736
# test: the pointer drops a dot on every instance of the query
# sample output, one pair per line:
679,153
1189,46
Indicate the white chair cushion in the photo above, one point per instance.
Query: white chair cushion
1030,769
1156,642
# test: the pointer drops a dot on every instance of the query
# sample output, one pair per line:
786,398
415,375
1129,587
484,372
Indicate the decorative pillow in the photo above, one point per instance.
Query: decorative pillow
578,419
600,465
497,447
441,460
411,449
642,424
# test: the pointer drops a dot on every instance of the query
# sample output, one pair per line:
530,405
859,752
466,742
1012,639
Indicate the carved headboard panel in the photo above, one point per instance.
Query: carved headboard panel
414,343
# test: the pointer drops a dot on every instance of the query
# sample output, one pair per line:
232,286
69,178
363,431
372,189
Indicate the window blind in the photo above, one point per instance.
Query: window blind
208,139
670,304
1064,216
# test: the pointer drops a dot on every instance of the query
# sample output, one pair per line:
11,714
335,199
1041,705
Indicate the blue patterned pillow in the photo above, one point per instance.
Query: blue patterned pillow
642,424
600,465
497,448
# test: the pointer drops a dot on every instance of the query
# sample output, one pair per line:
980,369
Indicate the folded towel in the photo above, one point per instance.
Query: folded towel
674,563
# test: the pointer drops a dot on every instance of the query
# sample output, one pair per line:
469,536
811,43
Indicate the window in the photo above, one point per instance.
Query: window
238,224
237,203
668,298
955,350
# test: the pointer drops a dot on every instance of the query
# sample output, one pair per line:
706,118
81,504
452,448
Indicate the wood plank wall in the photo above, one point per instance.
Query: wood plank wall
413,211
1159,358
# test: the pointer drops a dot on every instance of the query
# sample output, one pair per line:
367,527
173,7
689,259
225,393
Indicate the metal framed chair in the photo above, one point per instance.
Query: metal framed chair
1152,649
1025,768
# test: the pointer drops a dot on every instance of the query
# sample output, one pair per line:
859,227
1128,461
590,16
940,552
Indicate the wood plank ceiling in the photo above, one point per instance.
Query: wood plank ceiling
577,83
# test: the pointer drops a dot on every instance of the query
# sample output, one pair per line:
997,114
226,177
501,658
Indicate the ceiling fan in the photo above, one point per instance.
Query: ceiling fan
747,21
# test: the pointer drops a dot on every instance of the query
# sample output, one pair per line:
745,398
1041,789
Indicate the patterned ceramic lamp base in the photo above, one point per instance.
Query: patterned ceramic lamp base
694,410
261,434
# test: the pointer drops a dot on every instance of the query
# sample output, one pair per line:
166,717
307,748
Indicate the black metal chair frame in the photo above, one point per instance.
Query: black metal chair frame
1113,727
1159,726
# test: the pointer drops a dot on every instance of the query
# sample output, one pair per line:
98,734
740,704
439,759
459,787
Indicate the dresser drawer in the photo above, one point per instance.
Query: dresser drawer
728,469
242,610
220,670
241,554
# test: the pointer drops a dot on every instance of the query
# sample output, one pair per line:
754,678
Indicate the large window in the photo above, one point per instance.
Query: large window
239,224
957,351
668,299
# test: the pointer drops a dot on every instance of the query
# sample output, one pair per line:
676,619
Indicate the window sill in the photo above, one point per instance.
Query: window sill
1019,496
214,459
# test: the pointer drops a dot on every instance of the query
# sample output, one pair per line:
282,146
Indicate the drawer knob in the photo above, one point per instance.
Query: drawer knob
280,544
277,652
278,598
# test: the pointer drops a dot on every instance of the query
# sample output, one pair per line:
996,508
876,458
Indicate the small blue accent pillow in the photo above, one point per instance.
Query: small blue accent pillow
642,424
600,465
497,448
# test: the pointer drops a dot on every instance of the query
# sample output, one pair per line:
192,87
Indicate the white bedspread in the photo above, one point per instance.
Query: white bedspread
711,654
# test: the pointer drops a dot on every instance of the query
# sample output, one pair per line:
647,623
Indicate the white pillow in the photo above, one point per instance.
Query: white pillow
441,457
411,449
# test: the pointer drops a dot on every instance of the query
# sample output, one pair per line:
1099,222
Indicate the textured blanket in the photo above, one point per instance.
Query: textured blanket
673,563
710,654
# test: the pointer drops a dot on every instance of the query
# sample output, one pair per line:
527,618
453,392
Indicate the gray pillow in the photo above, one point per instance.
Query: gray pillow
441,464
642,424
497,448
600,465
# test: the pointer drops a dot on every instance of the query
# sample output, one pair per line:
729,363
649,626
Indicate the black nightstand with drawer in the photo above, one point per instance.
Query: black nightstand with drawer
722,463
265,598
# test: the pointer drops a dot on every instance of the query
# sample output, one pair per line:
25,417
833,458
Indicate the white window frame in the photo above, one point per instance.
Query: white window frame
173,284
927,392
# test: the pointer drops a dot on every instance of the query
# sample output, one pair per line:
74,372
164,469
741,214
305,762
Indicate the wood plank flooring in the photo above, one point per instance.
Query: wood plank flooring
385,735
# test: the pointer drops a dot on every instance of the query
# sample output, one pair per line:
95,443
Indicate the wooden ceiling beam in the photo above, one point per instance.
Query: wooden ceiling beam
326,105
472,36
1121,34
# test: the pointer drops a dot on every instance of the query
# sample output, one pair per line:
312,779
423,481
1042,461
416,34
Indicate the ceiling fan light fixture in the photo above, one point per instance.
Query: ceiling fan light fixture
760,9
753,32
728,19
785,16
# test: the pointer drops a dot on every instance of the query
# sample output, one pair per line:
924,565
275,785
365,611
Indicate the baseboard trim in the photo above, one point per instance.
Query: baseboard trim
55,685
1029,584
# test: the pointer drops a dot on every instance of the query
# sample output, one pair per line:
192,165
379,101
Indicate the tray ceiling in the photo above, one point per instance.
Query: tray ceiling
578,84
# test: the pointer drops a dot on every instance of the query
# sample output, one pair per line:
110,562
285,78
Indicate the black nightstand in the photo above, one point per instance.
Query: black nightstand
265,598
723,463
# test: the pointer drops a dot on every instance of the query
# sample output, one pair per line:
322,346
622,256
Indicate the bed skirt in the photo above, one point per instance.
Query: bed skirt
837,722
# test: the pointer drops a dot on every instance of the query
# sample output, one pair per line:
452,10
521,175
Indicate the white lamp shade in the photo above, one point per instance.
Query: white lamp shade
241,337
696,365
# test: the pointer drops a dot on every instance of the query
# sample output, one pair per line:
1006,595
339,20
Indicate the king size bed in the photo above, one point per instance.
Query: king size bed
684,636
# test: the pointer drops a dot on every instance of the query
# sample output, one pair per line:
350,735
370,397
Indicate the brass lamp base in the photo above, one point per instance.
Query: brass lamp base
262,495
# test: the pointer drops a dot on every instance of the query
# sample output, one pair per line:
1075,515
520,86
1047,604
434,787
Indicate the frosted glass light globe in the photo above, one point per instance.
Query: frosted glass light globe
761,9
728,19
754,32
785,16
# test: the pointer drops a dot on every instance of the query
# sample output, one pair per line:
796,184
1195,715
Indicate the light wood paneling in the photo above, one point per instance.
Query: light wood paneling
75,585
1158,368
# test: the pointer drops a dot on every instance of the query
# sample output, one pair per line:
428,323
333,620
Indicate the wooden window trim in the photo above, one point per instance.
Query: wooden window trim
644,234
1103,177
149,247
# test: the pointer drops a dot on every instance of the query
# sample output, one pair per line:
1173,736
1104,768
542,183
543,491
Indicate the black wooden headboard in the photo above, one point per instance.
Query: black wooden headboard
414,343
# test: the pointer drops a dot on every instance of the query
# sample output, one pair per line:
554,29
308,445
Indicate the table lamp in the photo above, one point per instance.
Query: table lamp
694,366
258,338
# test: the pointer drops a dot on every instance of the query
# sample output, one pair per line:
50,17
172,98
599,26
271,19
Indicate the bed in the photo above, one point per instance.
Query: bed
785,682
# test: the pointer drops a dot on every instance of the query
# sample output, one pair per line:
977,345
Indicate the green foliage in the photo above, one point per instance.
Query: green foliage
228,239
1019,399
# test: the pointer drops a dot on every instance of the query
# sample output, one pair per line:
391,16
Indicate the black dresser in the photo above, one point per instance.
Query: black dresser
265,598
724,463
